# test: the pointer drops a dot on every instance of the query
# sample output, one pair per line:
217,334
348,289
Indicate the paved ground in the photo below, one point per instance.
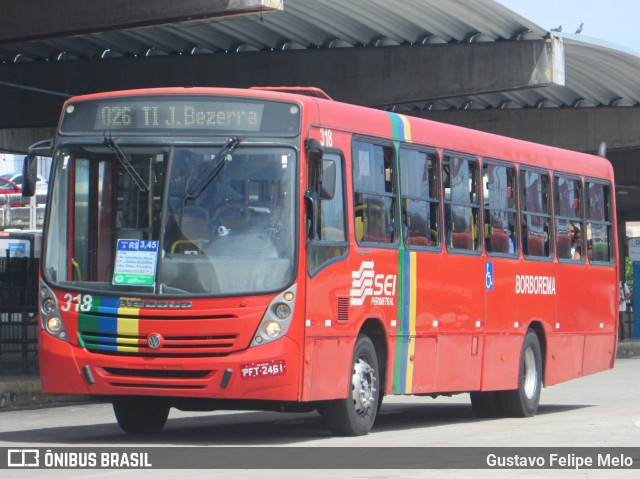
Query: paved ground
599,411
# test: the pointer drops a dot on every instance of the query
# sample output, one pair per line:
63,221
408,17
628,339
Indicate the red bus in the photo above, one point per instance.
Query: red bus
261,249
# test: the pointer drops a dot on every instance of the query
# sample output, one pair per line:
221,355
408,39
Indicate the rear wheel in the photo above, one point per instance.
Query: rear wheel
524,401
141,415
355,415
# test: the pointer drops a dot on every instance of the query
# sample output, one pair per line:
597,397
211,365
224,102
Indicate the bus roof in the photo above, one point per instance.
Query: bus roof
378,123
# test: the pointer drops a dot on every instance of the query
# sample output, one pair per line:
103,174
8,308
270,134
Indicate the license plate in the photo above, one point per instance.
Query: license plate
256,370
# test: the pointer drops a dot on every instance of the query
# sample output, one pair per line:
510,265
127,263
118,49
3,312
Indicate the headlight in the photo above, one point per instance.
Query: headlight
272,328
277,318
50,317
48,306
54,325
283,311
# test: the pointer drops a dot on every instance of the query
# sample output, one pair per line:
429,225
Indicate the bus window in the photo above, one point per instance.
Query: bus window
500,208
599,222
461,204
535,215
330,223
104,203
568,215
374,198
420,180
82,220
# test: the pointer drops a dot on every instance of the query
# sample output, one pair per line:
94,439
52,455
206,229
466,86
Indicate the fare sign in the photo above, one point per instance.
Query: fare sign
634,249
135,263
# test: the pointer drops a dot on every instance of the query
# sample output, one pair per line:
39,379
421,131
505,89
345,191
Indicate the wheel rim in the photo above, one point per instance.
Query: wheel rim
530,373
364,390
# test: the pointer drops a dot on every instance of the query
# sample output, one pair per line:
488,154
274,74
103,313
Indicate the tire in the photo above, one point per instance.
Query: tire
524,401
141,415
355,415
486,404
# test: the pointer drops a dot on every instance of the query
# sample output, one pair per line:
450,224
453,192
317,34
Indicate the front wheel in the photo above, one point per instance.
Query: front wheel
141,415
355,415
524,401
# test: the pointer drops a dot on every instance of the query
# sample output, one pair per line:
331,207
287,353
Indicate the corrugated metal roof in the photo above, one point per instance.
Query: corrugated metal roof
307,23
312,24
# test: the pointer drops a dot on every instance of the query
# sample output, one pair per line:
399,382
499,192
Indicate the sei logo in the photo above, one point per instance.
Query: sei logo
380,287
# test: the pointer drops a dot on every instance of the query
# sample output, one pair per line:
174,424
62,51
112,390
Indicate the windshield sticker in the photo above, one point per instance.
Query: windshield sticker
135,263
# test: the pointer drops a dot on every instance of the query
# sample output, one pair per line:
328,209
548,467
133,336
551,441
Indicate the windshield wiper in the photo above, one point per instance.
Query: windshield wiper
214,168
126,164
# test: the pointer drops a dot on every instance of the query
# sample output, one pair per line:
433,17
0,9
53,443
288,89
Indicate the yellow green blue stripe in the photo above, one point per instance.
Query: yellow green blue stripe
407,296
400,127
406,331
104,328
411,319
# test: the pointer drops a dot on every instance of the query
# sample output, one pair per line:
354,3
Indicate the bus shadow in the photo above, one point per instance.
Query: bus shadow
399,417
253,428
220,429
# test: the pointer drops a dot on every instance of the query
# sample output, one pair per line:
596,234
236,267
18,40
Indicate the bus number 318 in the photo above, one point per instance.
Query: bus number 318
81,302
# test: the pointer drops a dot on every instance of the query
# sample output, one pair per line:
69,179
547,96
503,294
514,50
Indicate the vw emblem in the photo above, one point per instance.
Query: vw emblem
154,340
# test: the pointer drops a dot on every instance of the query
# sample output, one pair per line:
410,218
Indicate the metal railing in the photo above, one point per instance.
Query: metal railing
19,267
16,212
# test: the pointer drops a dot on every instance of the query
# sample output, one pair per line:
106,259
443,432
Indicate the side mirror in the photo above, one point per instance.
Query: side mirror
328,183
311,203
325,170
314,150
29,175
30,165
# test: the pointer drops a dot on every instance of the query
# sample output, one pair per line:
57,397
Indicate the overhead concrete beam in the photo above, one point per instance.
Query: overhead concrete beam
579,129
43,19
375,76
18,140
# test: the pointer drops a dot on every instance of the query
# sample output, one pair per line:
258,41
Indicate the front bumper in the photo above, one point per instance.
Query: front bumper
268,372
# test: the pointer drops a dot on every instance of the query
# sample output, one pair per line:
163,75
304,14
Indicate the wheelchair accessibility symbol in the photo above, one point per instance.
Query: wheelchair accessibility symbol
488,276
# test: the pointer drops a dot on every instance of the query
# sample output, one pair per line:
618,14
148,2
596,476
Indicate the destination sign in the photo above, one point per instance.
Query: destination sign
178,114
196,114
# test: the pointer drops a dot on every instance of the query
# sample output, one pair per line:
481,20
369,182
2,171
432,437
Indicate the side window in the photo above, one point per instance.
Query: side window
535,214
461,203
331,240
419,183
568,215
500,208
374,192
599,222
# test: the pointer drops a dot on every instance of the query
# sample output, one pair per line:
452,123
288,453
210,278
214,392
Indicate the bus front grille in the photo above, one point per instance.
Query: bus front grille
157,345
167,333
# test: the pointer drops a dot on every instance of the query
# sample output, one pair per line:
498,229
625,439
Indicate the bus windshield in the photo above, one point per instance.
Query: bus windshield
124,219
